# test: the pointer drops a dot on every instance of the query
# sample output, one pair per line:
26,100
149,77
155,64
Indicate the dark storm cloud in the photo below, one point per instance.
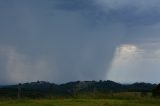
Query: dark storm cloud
40,42
66,40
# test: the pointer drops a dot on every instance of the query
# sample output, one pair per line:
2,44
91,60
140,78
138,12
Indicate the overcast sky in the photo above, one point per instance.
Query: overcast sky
69,40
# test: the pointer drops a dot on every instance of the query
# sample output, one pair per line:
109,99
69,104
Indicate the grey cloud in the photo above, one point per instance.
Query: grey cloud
136,12
62,41
70,47
140,4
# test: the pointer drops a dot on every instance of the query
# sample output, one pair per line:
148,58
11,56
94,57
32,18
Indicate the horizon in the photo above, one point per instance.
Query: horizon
79,81
61,41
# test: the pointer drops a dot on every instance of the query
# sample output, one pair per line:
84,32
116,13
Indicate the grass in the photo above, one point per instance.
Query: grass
81,102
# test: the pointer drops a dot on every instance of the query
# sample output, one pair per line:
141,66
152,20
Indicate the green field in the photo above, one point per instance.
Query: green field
81,102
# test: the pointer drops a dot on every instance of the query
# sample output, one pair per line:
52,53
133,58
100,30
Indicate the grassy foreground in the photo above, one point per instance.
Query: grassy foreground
81,102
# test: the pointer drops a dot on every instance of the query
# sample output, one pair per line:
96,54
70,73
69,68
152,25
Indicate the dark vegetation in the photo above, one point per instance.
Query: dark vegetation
156,91
41,89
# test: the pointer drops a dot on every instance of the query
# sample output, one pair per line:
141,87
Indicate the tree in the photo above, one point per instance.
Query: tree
19,90
156,91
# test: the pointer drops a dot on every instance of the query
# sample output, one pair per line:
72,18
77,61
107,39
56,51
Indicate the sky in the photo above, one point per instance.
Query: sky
69,40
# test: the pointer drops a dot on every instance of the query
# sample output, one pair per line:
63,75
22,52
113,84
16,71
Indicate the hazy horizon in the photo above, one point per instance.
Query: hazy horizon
69,40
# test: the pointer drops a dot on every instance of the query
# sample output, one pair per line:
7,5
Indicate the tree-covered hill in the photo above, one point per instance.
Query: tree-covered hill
46,89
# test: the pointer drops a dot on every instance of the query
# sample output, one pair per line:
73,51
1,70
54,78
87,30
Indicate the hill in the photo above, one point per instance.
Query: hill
46,89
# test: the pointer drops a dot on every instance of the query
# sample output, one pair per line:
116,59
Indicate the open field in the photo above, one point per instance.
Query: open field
81,102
